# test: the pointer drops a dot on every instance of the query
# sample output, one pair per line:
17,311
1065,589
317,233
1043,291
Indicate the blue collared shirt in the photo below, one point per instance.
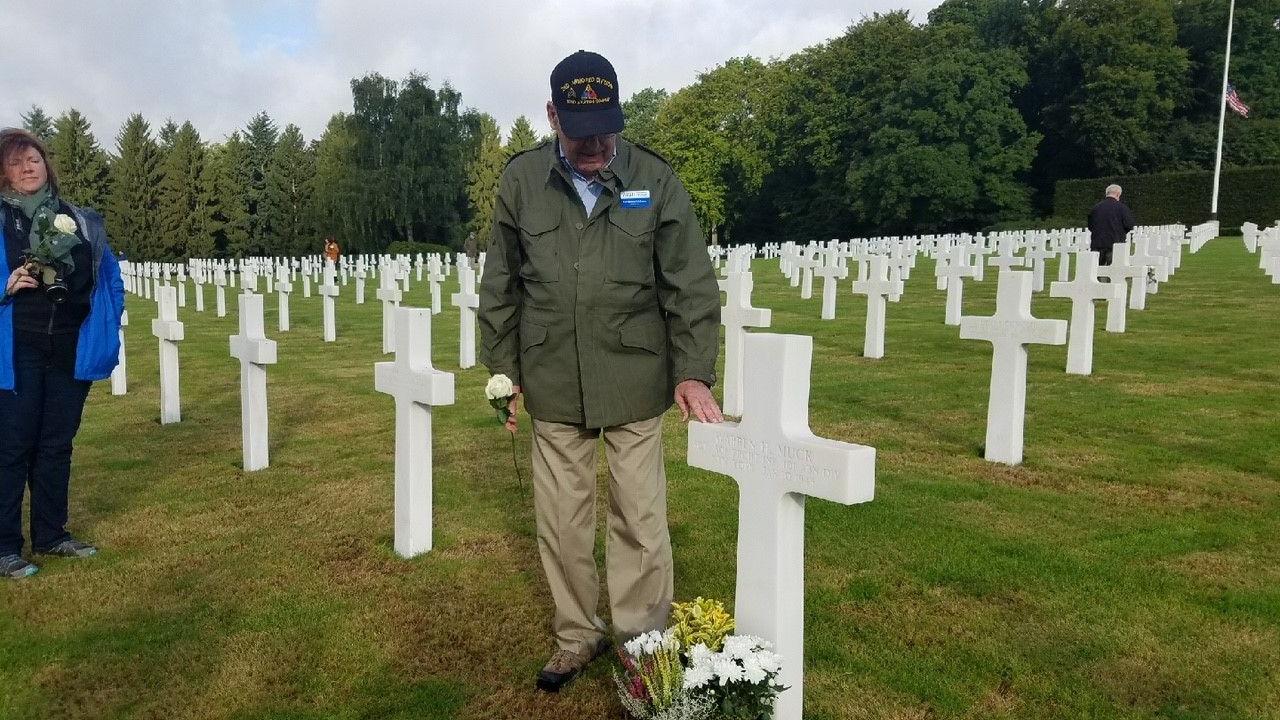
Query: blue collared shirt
589,189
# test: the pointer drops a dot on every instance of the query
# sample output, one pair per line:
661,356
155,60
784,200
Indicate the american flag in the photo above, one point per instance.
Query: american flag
1233,99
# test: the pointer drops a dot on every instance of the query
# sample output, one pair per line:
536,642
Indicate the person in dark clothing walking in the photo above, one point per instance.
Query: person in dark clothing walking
1109,223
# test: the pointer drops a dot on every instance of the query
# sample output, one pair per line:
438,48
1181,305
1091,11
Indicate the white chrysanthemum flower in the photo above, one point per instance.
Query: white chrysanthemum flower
633,647
697,677
499,388
740,647
65,224
753,672
770,662
700,654
726,670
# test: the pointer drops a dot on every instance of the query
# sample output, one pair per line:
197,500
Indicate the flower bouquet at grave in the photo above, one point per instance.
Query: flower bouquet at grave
698,670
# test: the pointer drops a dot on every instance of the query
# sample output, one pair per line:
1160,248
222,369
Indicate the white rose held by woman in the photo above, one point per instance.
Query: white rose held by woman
65,224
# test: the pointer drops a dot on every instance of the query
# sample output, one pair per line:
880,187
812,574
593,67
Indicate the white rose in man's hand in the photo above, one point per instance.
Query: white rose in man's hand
499,388
65,224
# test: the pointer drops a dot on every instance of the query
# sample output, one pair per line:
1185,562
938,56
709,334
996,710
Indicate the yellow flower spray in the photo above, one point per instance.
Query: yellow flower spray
701,621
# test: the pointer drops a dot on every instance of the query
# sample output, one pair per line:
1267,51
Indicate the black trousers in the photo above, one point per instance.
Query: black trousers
39,419
1104,255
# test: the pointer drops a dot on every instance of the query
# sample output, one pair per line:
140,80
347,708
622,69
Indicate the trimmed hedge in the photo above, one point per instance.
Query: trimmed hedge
1248,194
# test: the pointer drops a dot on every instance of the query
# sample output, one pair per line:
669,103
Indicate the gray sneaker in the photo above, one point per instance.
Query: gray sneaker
14,566
70,547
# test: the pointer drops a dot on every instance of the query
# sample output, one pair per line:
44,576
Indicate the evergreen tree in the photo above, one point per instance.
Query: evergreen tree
132,200
335,188
228,165
522,136
81,165
38,124
167,135
483,171
185,213
260,137
287,197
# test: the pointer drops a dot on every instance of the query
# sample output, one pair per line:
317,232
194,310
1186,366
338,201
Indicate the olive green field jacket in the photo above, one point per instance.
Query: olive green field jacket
597,318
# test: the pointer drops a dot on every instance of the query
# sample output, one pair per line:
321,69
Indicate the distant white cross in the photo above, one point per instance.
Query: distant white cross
119,376
169,331
390,295
467,302
737,315
876,287
255,352
955,271
1083,291
329,291
1009,331
284,288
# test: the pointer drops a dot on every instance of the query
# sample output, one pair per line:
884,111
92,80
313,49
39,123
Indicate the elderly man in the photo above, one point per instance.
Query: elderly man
599,302
1109,223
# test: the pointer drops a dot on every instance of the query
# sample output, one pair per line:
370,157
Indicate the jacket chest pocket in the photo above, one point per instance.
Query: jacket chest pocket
539,257
629,247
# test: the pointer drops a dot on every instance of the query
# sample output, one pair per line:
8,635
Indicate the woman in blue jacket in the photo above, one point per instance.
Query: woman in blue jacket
53,344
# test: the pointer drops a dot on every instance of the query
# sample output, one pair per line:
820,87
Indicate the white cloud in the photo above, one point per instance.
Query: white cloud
189,59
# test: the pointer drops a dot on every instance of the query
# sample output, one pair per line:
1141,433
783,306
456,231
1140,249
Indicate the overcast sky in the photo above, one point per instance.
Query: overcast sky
217,62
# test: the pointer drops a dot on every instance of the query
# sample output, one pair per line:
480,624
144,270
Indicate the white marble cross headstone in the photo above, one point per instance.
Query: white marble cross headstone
876,287
467,302
954,273
778,462
1146,266
220,283
1083,291
119,376
737,315
390,295
254,351
417,388
1118,272
1009,331
199,277
284,288
435,276
169,331
831,273
329,291
182,286
361,274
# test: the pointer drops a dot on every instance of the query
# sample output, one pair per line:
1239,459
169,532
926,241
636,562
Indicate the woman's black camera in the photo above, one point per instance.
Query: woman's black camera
50,277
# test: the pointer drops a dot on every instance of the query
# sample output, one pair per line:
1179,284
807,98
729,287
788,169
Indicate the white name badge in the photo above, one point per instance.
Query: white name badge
635,199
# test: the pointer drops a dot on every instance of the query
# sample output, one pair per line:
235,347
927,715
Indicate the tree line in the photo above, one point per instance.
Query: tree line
407,165
958,123
966,120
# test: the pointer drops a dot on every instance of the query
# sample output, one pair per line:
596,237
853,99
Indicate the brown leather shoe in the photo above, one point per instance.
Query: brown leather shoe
565,665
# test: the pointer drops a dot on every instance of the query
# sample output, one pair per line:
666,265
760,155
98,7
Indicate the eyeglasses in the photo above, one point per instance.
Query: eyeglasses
603,138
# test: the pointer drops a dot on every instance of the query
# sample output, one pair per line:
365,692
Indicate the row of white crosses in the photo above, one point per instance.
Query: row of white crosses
1267,244
250,346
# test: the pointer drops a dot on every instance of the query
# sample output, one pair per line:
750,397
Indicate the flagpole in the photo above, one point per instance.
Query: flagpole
1222,113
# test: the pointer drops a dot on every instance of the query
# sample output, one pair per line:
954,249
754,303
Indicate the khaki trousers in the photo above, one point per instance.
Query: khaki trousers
638,549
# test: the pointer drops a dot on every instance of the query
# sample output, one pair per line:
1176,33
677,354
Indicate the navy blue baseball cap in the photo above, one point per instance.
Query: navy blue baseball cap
584,91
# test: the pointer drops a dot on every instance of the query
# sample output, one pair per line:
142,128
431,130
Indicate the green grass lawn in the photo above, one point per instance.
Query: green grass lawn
1129,569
